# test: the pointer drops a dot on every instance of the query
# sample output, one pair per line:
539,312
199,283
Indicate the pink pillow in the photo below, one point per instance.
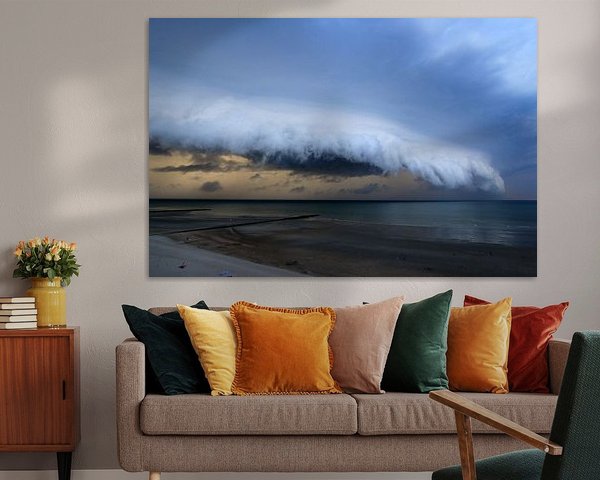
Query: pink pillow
360,343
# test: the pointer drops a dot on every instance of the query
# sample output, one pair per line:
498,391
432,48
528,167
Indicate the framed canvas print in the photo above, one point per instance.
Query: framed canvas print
342,147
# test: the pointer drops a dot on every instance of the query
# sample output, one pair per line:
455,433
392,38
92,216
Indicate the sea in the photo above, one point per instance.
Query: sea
500,222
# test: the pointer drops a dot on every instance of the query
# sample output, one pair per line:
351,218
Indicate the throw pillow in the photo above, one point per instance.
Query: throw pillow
360,343
282,351
531,331
213,338
478,339
417,358
169,352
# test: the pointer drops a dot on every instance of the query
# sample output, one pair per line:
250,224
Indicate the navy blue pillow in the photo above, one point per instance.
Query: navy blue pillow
174,366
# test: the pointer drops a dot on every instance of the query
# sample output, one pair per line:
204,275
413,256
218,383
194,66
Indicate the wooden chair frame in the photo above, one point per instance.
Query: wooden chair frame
465,409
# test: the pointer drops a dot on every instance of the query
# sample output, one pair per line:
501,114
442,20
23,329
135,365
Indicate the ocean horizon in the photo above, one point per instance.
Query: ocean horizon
494,222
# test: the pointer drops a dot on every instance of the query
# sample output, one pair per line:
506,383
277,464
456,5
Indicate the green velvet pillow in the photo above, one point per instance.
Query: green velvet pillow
417,358
174,366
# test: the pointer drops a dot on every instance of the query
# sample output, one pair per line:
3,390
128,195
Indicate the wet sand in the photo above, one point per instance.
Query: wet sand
169,258
323,247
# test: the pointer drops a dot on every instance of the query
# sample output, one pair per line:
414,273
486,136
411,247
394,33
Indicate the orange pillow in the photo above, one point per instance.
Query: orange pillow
478,339
530,333
282,351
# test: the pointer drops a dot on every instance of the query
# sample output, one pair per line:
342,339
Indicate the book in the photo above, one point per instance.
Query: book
18,318
17,299
8,313
16,306
18,325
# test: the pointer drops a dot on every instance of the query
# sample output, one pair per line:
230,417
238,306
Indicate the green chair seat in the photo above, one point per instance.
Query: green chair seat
521,465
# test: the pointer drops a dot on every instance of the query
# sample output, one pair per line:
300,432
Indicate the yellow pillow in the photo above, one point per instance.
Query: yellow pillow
282,351
478,338
213,337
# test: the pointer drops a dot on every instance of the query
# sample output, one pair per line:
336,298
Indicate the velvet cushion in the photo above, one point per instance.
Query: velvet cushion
213,338
478,339
169,351
531,331
417,358
360,343
282,351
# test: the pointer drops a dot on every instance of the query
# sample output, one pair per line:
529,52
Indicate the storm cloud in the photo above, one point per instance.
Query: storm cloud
202,162
211,187
452,101
299,138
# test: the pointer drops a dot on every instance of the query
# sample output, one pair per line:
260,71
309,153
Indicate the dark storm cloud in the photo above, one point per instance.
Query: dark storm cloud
202,162
155,148
311,164
452,101
328,167
211,187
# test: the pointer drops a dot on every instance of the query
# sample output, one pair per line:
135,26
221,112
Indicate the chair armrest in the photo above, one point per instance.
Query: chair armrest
131,389
558,352
473,410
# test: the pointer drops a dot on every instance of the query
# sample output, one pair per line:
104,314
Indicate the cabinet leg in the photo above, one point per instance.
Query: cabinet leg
64,465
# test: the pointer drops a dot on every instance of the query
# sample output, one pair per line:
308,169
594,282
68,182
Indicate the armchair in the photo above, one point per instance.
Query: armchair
571,453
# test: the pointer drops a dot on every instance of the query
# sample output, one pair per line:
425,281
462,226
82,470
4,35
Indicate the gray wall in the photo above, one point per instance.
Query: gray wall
74,149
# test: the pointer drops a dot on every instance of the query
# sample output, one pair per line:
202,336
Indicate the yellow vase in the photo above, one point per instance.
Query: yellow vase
50,301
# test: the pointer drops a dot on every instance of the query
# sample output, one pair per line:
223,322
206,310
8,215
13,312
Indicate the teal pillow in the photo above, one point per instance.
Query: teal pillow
174,366
417,358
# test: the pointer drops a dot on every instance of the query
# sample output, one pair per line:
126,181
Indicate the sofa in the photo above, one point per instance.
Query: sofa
306,433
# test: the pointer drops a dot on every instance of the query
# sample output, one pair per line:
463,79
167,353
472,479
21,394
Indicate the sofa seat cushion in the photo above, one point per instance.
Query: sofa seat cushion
415,413
202,414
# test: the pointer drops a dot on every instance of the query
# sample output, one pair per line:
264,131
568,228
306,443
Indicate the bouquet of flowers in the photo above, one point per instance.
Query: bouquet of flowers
46,258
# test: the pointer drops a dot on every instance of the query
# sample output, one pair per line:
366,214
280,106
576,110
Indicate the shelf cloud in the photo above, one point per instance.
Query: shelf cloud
453,102
313,139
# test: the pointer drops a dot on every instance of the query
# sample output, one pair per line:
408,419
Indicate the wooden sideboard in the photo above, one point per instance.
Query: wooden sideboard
39,392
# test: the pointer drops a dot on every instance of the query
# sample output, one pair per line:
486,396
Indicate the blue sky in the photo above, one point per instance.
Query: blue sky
384,108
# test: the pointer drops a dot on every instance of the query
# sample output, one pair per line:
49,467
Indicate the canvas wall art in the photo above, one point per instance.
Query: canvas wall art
343,147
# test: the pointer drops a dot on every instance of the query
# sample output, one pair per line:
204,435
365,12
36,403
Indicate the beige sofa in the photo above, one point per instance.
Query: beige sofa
306,433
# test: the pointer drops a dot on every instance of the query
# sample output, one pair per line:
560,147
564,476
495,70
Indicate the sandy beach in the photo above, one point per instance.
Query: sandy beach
169,258
319,246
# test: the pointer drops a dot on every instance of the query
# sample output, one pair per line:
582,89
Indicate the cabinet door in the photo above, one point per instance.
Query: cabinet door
36,400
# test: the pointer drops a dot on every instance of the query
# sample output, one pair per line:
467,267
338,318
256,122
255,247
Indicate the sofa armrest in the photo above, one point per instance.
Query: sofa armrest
558,352
131,389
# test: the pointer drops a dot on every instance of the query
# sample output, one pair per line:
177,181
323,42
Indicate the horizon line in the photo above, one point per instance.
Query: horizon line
334,200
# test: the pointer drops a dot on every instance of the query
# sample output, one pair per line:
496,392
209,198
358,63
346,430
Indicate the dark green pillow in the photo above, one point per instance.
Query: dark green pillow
169,351
417,358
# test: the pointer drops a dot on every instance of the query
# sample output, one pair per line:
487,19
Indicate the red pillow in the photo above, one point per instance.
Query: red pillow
530,333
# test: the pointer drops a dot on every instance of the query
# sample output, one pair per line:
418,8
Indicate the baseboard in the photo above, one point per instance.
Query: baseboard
121,475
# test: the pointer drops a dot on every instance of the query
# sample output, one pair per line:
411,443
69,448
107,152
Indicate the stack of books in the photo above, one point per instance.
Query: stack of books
17,312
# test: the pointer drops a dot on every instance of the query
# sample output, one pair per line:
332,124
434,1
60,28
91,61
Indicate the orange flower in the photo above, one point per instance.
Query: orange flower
18,252
73,246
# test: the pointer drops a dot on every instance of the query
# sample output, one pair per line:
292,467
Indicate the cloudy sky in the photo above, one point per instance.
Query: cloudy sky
370,109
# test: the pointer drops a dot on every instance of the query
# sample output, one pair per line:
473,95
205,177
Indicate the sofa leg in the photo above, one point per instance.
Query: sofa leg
154,476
